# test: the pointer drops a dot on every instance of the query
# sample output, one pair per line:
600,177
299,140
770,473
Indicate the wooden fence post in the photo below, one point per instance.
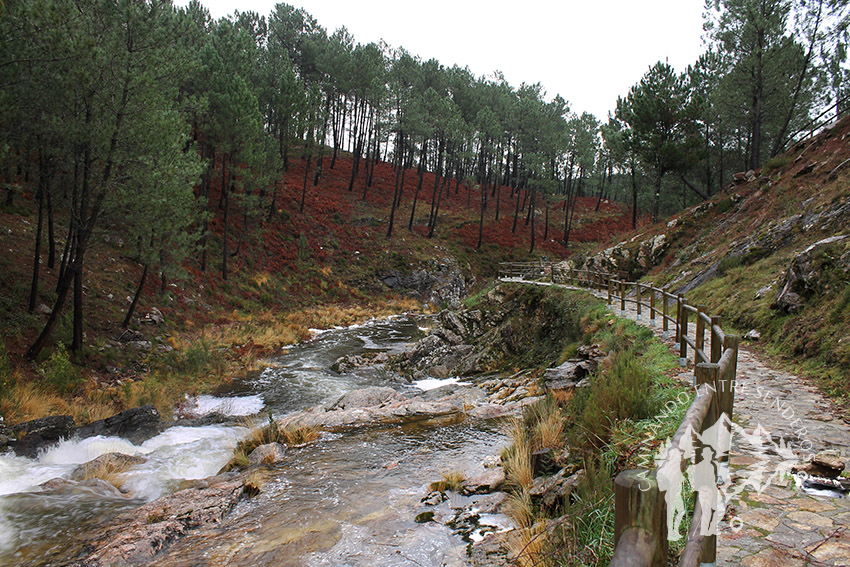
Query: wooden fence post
622,298
682,330
640,516
726,400
652,306
610,291
699,341
716,344
665,329
638,301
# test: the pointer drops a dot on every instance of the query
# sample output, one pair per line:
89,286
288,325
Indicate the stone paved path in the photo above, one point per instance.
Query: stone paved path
771,521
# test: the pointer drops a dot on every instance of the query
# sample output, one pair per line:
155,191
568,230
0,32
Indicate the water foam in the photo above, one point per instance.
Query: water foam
432,383
231,407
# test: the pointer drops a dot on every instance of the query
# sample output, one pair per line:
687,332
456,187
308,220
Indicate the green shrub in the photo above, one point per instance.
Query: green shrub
59,372
724,206
621,393
197,358
774,164
728,263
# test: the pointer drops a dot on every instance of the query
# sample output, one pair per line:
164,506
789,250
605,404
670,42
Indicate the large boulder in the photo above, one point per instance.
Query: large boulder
267,454
438,281
107,464
373,397
137,536
35,434
136,425
807,273
379,406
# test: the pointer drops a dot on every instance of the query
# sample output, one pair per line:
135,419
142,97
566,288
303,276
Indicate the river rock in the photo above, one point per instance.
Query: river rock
826,464
377,406
89,486
433,498
267,454
469,394
567,375
109,463
350,362
491,503
35,434
137,536
6,435
551,490
438,281
805,274
485,481
492,550
53,427
136,425
373,397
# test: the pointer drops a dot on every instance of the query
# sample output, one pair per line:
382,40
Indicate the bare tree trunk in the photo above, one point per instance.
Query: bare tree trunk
421,173
51,233
634,197
38,232
136,296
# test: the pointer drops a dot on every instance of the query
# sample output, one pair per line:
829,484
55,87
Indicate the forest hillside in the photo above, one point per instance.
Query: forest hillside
770,254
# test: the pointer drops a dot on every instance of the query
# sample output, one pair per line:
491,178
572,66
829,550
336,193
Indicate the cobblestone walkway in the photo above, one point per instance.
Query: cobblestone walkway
775,523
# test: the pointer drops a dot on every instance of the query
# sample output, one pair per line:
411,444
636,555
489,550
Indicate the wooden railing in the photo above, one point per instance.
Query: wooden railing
640,531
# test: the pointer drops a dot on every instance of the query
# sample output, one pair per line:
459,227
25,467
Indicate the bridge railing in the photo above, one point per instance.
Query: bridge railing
640,531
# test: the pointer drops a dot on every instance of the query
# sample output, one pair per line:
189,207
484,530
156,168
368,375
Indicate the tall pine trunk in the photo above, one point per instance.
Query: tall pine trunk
126,322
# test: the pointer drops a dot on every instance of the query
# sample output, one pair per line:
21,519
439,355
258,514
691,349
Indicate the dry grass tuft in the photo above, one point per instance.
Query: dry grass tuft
452,480
550,429
291,435
294,435
253,484
516,459
527,548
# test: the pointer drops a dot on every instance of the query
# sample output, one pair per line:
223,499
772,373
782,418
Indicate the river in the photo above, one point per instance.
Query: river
348,499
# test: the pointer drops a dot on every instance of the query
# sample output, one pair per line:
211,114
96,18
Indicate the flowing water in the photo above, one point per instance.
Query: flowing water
348,499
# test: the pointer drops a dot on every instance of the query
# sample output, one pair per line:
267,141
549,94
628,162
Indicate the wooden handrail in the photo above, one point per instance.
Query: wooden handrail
640,511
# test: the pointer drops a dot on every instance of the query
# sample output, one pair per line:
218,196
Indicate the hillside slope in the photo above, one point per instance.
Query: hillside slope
329,264
771,253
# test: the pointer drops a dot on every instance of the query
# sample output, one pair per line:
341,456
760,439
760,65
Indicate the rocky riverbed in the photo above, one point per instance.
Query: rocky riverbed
461,362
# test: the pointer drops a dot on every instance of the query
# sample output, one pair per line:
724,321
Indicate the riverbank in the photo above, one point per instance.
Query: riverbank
161,364
395,460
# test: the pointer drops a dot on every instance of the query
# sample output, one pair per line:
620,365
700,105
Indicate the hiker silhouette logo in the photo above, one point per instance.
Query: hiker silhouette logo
702,460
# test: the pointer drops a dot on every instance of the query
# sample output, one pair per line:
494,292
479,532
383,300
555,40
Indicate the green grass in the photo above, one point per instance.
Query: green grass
617,422
814,341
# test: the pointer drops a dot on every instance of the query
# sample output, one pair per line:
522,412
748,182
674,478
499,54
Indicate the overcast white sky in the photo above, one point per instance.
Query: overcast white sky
588,51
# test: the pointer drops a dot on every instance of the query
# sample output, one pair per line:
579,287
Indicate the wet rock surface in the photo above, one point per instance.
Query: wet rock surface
35,434
806,276
137,536
110,463
438,281
267,454
136,425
